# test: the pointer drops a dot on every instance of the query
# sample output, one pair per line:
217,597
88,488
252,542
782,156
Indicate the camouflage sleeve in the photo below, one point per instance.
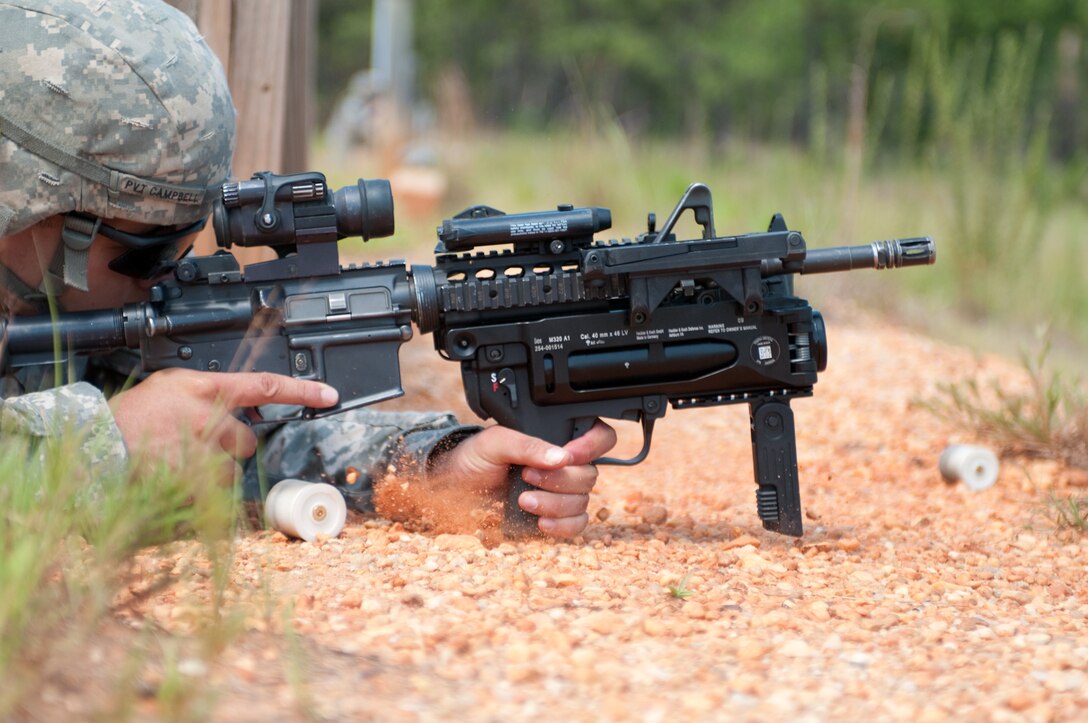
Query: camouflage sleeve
73,409
354,450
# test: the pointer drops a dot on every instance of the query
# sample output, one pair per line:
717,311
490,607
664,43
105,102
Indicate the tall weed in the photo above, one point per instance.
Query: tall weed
972,114
66,537
1049,419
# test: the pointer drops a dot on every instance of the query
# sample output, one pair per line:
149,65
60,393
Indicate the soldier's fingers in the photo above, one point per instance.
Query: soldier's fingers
564,527
575,479
252,389
236,439
503,446
551,504
593,444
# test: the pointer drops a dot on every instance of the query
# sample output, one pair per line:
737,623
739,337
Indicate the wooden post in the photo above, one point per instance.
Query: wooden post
300,117
266,49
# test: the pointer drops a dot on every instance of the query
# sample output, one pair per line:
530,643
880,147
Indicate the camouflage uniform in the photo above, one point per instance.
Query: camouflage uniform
352,450
119,109
41,416
88,111
355,449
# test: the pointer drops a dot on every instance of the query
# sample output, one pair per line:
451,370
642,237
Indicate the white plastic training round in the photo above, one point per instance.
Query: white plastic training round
977,467
306,510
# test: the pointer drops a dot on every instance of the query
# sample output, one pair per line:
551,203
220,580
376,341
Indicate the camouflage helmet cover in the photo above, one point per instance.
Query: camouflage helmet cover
115,108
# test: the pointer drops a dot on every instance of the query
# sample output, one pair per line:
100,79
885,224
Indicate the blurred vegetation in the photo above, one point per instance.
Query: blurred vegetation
1049,418
67,540
761,70
856,119
1069,512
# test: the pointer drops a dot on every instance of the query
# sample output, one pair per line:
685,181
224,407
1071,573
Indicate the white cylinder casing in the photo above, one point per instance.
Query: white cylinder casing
977,467
306,510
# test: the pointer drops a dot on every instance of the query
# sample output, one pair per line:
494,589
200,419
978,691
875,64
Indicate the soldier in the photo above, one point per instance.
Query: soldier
116,125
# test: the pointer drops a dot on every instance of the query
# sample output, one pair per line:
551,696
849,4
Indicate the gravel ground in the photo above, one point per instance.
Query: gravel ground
906,599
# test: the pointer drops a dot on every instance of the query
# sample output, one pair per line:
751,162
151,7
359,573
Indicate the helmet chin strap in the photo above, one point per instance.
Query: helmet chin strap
70,262
68,267
52,282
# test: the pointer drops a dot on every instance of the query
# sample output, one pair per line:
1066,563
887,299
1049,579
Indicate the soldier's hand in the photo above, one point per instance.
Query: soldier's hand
183,417
564,475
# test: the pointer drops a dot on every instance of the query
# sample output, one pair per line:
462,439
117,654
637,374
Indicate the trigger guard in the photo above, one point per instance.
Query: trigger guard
647,435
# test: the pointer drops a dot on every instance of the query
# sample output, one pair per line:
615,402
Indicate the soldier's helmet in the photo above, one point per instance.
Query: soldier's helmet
115,109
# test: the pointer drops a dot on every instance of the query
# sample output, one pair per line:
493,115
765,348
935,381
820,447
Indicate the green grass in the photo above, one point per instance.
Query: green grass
680,591
66,539
1069,512
1049,418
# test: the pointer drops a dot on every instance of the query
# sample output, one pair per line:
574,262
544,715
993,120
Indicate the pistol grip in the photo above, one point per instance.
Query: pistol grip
774,456
517,523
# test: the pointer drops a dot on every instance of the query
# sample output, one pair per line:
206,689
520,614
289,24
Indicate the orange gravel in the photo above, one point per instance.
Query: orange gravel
906,599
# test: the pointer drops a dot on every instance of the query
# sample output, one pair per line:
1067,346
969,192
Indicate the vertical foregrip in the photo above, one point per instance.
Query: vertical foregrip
774,456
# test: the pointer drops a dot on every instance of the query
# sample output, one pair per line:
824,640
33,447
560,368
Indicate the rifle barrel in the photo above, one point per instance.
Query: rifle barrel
77,332
891,254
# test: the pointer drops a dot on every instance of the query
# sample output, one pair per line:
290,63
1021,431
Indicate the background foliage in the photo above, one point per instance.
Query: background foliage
771,70
967,121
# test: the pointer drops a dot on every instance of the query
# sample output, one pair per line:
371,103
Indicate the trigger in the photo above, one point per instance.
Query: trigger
582,425
647,434
248,416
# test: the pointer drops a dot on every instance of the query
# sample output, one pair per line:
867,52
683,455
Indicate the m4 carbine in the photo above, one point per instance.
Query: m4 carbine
552,330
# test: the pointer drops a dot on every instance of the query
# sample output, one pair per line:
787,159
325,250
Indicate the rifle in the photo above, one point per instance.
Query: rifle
552,331
301,314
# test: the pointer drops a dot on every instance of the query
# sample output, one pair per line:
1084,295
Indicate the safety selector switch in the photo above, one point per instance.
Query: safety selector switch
503,382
